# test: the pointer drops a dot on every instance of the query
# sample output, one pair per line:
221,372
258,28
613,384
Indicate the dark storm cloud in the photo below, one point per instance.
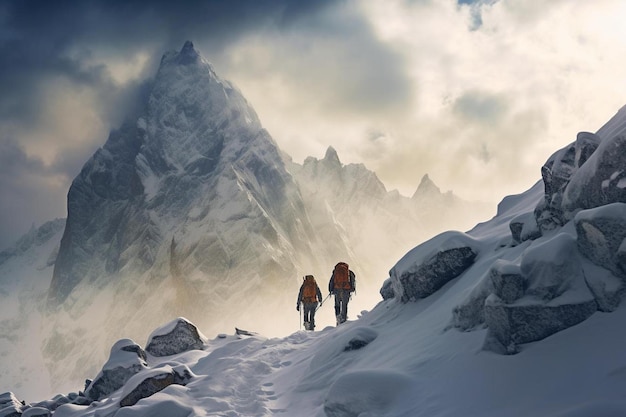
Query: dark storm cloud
41,39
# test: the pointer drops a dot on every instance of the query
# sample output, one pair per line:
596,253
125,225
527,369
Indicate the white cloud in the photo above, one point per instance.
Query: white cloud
536,72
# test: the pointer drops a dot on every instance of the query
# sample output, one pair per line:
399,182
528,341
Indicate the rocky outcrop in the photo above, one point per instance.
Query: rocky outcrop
600,181
10,406
148,383
548,293
512,325
178,336
125,360
557,173
419,275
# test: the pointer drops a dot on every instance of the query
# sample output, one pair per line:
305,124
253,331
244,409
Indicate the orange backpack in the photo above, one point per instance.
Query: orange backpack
309,290
341,276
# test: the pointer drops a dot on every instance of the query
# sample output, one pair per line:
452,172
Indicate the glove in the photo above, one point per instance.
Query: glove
298,307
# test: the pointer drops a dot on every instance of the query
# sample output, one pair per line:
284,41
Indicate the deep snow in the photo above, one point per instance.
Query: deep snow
399,360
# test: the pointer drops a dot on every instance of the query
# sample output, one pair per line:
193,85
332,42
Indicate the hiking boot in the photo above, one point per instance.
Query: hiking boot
338,320
306,325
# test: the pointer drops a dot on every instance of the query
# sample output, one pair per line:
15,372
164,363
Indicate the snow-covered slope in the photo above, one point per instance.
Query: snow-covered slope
521,316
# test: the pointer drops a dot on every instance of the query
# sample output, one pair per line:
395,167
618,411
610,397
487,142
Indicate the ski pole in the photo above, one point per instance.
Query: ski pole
323,301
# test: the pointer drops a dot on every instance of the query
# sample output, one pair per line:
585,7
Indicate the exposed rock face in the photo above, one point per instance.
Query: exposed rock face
197,159
176,337
600,181
143,386
427,272
126,359
512,325
557,173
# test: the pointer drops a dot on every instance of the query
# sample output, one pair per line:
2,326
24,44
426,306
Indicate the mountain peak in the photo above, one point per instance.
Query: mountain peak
426,187
331,156
188,55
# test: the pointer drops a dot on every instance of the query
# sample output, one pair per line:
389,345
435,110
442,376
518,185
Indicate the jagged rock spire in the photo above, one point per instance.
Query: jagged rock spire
426,187
331,156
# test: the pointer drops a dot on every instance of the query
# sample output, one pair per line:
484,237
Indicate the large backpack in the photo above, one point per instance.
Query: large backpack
341,277
309,289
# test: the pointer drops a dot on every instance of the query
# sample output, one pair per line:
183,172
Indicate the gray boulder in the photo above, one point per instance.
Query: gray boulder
153,381
508,282
431,265
601,233
512,325
504,279
386,291
524,227
553,268
10,406
600,181
556,296
177,336
125,360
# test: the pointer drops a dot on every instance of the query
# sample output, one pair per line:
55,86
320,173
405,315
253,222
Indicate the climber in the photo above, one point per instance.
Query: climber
342,284
309,295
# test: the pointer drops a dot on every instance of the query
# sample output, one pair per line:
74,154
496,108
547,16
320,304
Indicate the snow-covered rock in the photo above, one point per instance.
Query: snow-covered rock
601,233
150,382
427,268
178,336
126,359
36,412
600,181
10,406
562,261
386,291
524,227
508,282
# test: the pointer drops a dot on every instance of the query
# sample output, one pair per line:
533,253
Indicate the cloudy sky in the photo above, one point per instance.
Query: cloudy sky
475,93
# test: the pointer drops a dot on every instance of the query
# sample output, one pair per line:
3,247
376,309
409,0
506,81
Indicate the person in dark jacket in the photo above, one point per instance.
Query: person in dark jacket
341,284
309,295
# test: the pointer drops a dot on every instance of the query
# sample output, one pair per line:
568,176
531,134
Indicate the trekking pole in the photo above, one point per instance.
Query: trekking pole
323,301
